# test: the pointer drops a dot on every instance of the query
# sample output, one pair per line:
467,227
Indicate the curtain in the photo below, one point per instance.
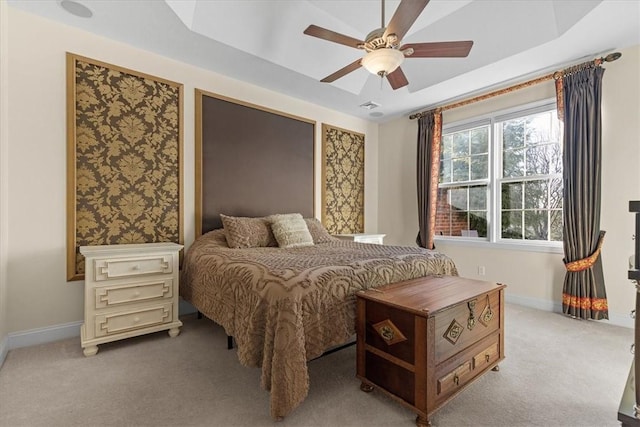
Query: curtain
428,170
584,294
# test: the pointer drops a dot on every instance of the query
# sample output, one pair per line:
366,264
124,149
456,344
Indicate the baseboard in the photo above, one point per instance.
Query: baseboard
56,332
617,319
71,330
537,303
43,335
621,320
4,349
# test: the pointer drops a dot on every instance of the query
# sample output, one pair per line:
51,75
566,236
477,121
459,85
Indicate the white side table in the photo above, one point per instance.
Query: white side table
362,237
130,290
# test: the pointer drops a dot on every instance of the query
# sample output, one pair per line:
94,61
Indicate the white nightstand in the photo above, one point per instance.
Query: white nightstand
129,290
362,237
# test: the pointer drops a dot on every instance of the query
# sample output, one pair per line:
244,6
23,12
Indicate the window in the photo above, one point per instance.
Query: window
503,170
463,192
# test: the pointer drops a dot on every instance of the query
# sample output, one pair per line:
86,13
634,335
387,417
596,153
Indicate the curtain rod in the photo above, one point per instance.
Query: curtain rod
555,75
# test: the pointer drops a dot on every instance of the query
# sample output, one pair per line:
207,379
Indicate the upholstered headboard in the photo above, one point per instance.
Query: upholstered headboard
250,161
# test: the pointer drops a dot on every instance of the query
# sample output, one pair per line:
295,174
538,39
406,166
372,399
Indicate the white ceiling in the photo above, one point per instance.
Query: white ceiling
262,42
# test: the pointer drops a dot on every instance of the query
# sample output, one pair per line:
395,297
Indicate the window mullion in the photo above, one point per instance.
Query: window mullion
495,184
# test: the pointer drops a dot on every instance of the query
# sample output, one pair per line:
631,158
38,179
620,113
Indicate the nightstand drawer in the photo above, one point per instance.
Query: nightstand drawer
117,322
110,296
115,268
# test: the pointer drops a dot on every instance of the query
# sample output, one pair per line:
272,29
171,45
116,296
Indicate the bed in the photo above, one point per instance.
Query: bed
286,306
283,306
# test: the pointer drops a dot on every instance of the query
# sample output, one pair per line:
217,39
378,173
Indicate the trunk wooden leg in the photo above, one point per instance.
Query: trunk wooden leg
366,388
496,368
422,421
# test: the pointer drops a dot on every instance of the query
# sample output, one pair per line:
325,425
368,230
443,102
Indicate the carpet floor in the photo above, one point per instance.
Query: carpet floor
558,371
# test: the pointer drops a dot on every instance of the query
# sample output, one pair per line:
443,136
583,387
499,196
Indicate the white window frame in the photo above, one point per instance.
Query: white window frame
494,211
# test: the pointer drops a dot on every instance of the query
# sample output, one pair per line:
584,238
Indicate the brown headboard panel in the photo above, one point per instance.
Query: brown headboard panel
250,161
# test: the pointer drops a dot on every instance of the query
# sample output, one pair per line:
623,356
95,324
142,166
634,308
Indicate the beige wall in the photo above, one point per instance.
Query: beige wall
33,290
37,291
4,58
533,278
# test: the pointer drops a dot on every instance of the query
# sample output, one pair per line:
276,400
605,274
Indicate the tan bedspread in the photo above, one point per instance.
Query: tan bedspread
287,306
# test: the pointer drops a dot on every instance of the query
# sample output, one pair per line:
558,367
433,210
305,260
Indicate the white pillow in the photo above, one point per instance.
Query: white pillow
291,232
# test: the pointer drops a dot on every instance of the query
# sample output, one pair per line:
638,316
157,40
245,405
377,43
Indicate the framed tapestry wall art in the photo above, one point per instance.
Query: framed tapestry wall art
124,158
342,180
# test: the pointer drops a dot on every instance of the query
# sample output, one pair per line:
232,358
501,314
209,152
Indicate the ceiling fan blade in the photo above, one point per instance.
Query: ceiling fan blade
332,36
343,71
458,49
397,79
404,17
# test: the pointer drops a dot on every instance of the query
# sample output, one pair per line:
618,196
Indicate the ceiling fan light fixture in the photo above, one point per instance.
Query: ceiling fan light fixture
382,61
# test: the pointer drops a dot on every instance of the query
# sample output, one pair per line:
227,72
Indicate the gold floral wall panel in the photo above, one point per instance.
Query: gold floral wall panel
343,180
124,176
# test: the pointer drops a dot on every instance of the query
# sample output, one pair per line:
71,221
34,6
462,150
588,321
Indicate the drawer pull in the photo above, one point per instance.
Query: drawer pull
136,294
456,379
136,267
487,357
136,319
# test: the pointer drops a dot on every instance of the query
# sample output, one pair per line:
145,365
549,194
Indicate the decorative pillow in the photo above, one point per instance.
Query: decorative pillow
318,232
291,232
275,217
245,232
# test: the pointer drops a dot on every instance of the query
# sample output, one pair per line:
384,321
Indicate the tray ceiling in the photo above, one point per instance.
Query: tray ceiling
262,42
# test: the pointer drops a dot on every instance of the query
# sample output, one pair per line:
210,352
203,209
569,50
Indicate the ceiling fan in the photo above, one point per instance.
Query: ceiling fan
384,53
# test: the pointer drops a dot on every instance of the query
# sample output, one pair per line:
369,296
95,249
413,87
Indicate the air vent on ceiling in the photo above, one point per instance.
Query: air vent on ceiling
369,105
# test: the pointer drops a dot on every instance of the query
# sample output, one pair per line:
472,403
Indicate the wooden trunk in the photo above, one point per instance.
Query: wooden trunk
423,341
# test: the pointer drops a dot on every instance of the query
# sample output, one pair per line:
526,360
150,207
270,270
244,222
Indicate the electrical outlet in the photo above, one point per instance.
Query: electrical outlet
481,270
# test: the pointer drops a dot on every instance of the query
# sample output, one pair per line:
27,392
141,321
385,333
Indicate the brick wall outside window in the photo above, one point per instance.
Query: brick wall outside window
450,221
